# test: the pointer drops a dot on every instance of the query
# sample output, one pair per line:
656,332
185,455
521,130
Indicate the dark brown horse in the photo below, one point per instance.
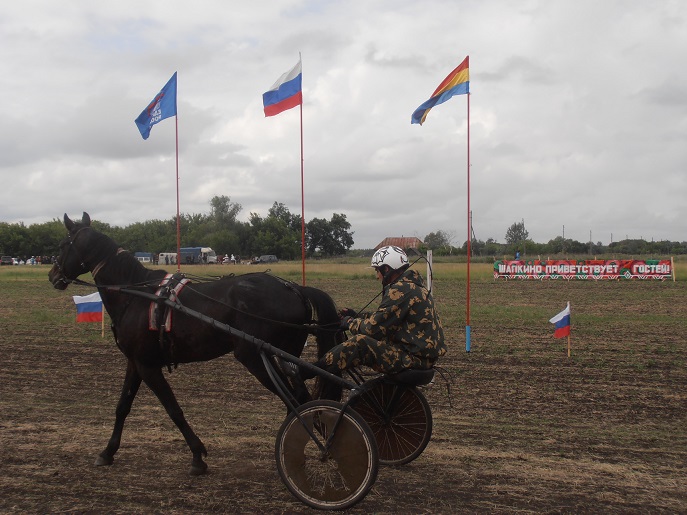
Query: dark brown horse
276,311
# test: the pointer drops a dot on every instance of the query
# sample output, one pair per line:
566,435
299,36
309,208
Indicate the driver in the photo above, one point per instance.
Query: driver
405,331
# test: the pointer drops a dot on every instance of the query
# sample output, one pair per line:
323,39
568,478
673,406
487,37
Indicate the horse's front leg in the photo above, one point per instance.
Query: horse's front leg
154,379
132,381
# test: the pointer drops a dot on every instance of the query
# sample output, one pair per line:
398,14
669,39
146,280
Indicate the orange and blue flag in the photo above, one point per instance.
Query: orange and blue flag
286,93
89,308
457,83
562,323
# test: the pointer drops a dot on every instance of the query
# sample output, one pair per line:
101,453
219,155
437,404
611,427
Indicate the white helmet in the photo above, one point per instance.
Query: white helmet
393,257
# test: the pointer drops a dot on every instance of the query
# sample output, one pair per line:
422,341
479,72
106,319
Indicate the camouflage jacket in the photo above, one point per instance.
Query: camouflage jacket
406,317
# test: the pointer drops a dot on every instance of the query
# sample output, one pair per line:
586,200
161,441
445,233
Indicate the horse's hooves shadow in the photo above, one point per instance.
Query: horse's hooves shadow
198,469
101,461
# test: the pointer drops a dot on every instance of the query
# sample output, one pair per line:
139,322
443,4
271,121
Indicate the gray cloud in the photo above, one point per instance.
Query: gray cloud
578,114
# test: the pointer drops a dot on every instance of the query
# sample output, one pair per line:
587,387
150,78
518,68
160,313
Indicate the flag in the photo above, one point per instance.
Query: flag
562,323
163,106
457,83
89,308
285,93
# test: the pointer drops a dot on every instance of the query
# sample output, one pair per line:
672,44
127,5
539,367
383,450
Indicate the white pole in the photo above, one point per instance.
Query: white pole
429,271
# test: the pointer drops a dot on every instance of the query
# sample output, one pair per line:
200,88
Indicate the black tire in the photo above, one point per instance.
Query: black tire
400,418
341,478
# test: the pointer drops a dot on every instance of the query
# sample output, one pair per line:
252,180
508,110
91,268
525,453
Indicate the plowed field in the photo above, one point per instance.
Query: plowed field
522,428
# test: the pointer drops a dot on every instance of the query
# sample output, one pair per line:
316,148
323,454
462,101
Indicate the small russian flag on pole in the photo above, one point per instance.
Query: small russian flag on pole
89,308
562,323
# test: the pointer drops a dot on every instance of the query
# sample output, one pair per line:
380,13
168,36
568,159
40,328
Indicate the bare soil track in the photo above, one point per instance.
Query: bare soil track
525,429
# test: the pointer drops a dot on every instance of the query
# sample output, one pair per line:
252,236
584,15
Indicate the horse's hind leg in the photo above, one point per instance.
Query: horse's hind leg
154,379
132,381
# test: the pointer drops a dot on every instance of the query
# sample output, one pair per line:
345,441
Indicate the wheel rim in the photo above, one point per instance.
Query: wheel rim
404,429
344,474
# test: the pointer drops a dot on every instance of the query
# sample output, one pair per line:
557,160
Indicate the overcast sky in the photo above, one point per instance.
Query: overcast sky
578,113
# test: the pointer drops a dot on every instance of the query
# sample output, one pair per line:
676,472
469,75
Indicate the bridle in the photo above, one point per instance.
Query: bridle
82,262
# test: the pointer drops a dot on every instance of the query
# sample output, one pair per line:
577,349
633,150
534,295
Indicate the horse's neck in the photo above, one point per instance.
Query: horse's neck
133,274
123,270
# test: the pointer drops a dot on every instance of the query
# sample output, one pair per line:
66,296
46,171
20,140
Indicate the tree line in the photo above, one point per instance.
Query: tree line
278,233
517,242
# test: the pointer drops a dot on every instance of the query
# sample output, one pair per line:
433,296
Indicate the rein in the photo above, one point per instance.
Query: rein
122,288
133,289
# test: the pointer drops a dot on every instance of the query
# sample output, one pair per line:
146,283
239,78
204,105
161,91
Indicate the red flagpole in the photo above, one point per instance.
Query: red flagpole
467,303
176,119
302,202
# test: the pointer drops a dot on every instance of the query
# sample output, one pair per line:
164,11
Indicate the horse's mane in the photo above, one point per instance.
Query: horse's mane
121,262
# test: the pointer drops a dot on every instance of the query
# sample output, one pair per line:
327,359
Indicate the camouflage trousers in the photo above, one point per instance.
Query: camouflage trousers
361,350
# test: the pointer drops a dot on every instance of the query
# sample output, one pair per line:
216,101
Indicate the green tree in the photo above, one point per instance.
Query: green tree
281,212
440,242
492,248
222,228
517,234
437,240
272,235
223,211
329,238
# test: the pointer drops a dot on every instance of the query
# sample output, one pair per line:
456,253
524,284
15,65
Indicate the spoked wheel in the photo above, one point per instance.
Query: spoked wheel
343,474
400,418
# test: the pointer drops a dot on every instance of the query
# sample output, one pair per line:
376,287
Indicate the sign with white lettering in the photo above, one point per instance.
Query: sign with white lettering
584,269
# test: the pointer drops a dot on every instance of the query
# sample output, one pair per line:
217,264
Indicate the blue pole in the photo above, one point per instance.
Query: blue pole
467,338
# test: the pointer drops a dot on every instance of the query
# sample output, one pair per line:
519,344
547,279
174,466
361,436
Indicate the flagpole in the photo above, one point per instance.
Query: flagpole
176,119
467,302
102,320
302,204
302,194
569,331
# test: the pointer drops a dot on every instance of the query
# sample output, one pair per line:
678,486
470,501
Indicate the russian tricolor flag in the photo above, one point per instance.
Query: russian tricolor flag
562,323
286,93
89,308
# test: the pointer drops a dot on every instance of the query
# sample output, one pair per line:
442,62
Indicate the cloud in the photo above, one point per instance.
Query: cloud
577,114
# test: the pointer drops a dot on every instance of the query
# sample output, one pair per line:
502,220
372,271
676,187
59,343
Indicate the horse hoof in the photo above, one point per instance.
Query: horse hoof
104,460
198,469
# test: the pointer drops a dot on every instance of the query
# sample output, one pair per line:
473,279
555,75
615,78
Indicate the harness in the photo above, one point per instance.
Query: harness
161,319
170,288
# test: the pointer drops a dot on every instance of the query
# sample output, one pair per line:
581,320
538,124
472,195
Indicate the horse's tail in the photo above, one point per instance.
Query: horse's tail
327,334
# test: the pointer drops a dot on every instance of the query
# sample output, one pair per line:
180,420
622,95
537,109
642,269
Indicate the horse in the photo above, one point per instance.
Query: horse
261,305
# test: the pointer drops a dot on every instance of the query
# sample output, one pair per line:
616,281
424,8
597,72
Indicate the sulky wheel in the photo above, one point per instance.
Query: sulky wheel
400,418
343,474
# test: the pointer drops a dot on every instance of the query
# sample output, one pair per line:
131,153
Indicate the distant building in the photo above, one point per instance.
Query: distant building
403,242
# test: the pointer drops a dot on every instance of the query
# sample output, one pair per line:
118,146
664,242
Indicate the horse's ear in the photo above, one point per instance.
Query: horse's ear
85,219
68,223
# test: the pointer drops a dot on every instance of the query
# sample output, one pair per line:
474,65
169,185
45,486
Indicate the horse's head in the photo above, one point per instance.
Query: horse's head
72,259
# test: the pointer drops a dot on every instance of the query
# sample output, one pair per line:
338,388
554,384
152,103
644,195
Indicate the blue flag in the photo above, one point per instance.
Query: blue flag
163,106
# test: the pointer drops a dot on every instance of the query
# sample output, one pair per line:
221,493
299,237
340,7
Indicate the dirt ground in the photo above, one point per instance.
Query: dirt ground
523,428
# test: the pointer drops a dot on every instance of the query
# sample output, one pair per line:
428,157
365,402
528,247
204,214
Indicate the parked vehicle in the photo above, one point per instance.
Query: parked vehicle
198,255
144,257
6,260
167,258
268,258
